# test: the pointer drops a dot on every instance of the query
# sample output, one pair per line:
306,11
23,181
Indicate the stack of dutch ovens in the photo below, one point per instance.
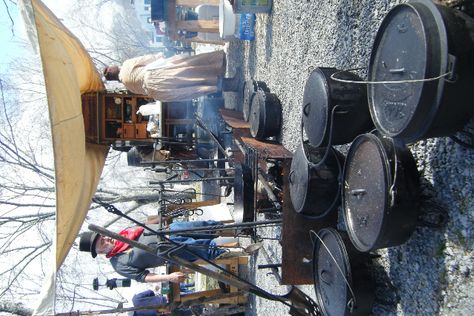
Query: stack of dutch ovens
420,85
262,109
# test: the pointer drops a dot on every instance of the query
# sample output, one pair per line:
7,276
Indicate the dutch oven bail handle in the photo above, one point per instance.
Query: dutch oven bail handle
328,147
392,191
352,302
311,165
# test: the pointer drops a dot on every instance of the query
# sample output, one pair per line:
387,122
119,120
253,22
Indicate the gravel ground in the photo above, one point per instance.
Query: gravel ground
431,273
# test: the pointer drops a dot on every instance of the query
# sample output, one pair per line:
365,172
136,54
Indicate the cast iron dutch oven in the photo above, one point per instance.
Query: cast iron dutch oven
250,87
133,157
330,104
419,40
380,192
314,178
342,279
243,194
265,115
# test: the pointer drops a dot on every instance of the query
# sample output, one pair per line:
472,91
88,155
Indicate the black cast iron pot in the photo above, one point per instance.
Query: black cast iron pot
342,279
416,41
133,157
248,92
332,106
380,192
243,194
265,115
314,179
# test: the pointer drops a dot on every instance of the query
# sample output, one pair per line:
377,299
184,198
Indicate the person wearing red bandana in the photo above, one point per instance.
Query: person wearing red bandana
133,263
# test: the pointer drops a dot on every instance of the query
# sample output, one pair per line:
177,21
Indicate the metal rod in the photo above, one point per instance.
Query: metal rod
176,143
268,190
171,138
259,237
255,192
220,227
189,180
200,123
201,169
269,266
181,161
197,193
268,210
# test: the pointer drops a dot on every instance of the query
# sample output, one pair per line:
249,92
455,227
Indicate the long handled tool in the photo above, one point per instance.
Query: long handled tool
300,304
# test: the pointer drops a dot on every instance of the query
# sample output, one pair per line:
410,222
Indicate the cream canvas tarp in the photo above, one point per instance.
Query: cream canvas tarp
68,73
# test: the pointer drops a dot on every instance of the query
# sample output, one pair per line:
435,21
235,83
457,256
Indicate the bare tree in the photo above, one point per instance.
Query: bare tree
27,186
27,196
15,308
111,40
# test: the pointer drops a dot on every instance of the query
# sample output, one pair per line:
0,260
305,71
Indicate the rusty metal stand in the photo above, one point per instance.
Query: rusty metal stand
296,245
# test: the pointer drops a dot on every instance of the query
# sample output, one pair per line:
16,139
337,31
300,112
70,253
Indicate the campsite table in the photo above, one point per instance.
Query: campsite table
207,26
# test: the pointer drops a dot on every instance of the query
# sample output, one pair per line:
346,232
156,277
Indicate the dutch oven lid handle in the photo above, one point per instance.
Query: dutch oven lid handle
352,300
291,176
306,108
391,191
303,142
305,112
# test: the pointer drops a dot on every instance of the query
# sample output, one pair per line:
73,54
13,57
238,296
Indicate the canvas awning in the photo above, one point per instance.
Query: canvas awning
68,73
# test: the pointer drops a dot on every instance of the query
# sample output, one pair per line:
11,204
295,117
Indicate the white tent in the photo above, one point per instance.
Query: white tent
68,73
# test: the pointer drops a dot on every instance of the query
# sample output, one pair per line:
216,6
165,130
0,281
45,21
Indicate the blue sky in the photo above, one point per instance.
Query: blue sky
8,41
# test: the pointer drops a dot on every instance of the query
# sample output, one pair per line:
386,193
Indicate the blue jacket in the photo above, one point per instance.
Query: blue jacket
147,298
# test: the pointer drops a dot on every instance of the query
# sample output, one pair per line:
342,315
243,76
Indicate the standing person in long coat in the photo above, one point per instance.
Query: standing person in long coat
178,78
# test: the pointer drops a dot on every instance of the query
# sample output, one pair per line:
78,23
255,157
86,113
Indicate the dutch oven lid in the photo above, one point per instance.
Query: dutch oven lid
411,43
365,193
331,273
298,179
315,105
248,92
257,109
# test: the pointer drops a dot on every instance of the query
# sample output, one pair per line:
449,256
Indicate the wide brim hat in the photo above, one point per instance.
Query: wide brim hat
87,243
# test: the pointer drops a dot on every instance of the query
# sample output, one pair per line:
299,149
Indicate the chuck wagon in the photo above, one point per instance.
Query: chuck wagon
112,118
